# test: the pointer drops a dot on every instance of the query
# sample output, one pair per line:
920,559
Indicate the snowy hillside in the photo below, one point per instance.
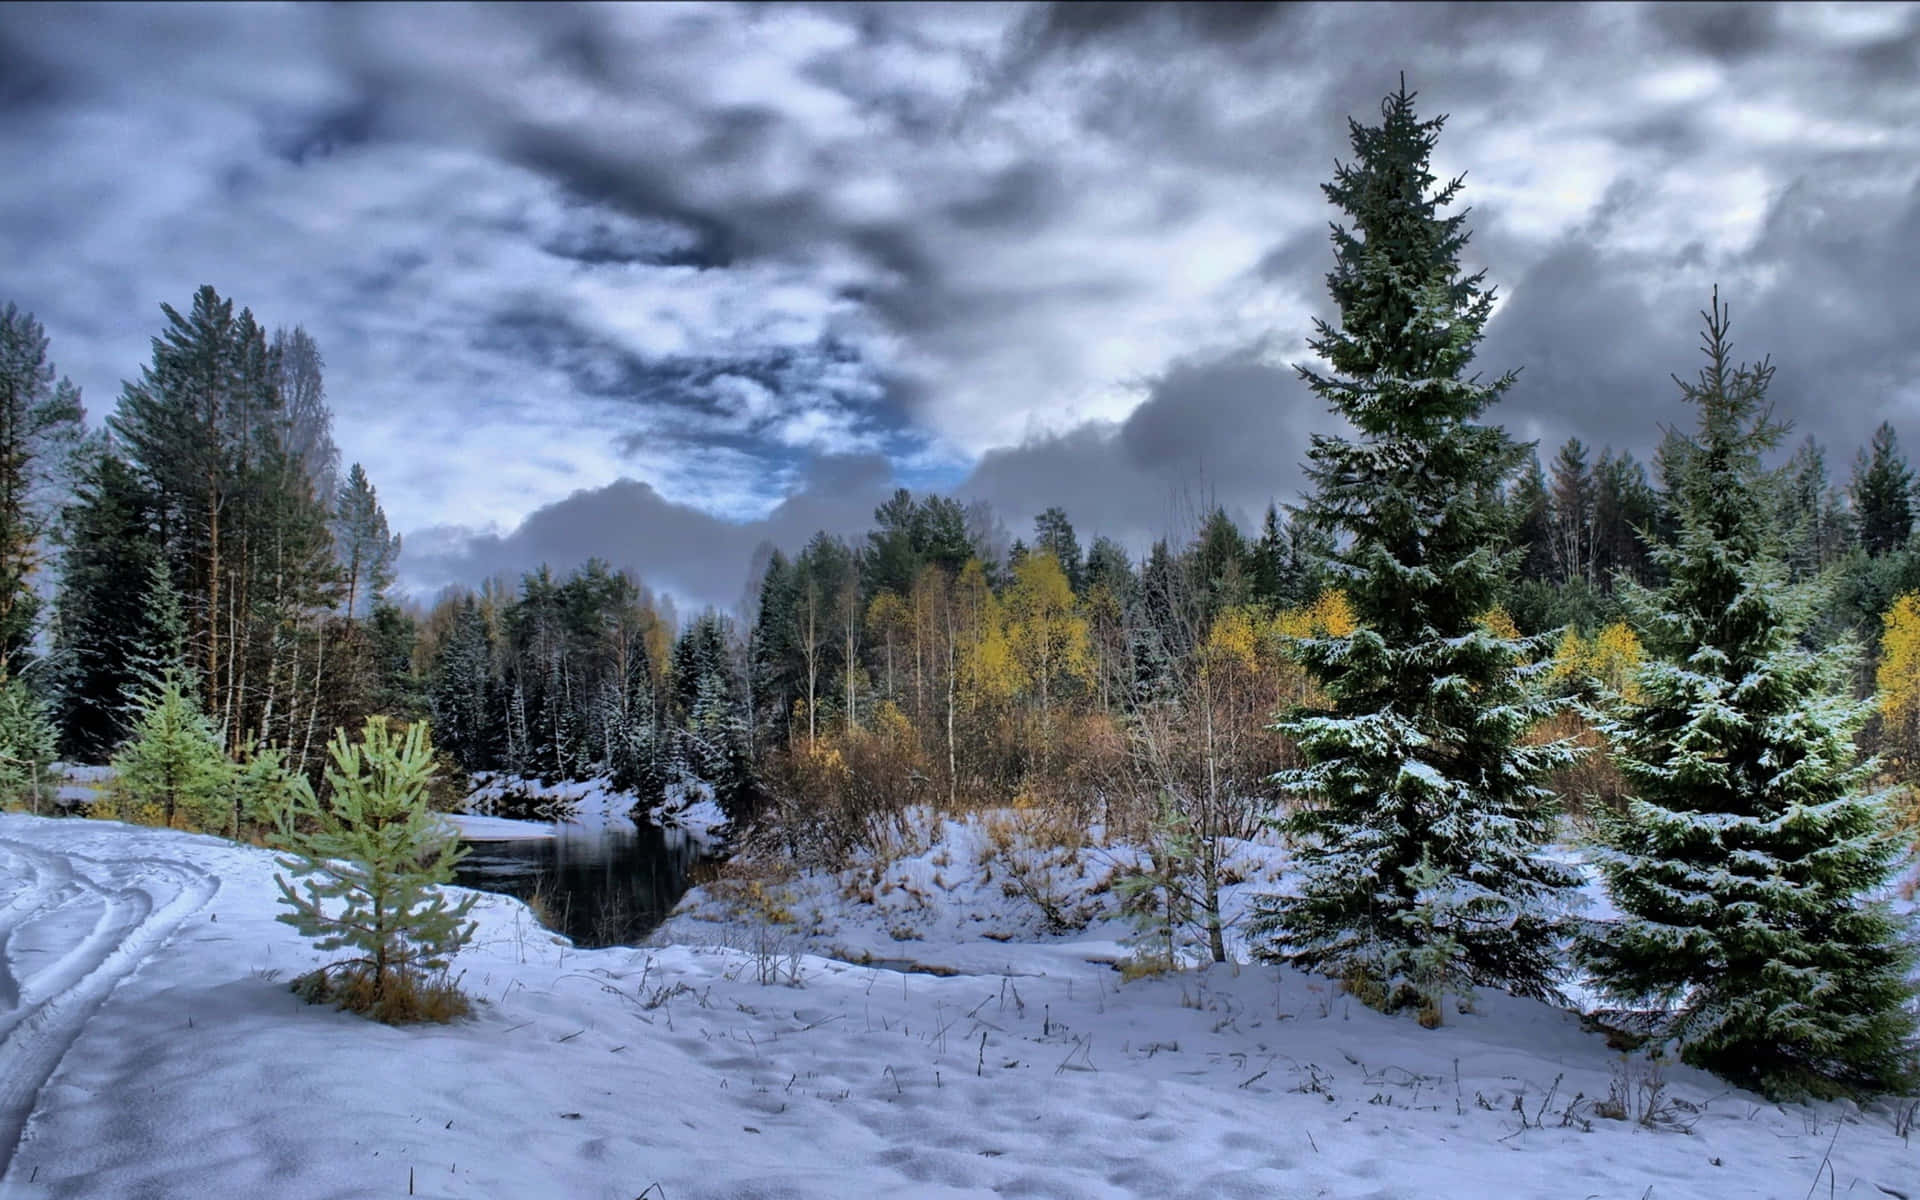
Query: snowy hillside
153,1049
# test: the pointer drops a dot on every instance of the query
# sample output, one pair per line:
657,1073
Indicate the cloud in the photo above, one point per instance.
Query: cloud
654,265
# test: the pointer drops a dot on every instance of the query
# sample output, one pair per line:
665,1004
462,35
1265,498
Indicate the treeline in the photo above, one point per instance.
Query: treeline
933,659
1586,524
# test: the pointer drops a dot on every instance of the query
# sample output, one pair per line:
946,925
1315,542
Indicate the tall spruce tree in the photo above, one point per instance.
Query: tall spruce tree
1530,515
457,686
367,550
1744,859
101,616
1425,804
41,424
1882,491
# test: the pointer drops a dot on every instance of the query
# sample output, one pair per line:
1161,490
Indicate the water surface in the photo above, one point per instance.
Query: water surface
603,884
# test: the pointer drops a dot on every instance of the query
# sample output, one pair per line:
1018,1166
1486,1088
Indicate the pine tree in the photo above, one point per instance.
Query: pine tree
1053,534
371,861
1572,497
1745,856
1624,513
367,550
1882,491
100,613
41,423
1530,514
1813,517
457,689
27,746
308,422
1416,757
173,760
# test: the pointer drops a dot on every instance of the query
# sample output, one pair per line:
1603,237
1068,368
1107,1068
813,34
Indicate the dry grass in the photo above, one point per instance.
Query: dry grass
1593,784
407,998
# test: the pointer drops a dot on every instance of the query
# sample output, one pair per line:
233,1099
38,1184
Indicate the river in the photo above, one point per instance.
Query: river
604,884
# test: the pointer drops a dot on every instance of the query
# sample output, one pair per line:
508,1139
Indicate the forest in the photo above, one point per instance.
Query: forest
1410,672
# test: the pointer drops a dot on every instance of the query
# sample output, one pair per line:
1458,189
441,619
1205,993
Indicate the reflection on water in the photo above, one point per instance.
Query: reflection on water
601,885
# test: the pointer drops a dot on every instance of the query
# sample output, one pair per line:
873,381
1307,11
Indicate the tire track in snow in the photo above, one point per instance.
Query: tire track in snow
45,881
143,900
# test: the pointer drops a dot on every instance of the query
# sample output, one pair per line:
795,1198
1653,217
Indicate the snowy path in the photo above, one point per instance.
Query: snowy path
51,981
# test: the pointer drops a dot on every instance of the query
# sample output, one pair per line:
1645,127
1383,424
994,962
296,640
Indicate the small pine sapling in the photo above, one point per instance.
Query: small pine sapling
1157,896
1429,959
371,860
172,766
26,746
261,785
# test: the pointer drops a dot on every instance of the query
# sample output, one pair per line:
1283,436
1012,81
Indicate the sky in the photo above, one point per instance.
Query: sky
663,283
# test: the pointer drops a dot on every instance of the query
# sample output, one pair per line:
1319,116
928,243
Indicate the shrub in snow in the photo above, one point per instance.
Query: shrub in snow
1417,753
370,861
1746,858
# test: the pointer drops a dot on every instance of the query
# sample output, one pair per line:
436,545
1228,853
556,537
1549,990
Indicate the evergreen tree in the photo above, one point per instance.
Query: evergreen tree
393,688
367,550
1417,756
776,668
1572,498
101,612
308,434
1053,534
1217,567
1267,560
41,423
1744,859
457,689
1530,515
635,760
27,746
1813,517
1882,491
371,860
1624,511
159,651
173,760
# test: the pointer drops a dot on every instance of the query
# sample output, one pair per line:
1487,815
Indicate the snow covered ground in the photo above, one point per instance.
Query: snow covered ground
151,1049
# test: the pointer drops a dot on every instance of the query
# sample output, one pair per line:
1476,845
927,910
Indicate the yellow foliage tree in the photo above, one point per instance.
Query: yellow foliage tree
1898,675
1608,660
1614,659
1047,633
1333,614
1499,623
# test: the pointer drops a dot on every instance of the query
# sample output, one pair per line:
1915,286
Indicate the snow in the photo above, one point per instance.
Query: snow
686,806
496,829
151,1048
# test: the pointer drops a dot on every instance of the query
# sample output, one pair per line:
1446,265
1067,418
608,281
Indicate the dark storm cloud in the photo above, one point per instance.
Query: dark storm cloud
699,559
1230,431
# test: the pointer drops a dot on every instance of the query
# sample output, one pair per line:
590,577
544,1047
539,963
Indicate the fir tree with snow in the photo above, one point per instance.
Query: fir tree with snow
370,861
1749,853
1416,755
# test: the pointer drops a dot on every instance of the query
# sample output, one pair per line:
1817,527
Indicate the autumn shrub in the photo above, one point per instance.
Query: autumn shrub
1592,783
1033,848
849,794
